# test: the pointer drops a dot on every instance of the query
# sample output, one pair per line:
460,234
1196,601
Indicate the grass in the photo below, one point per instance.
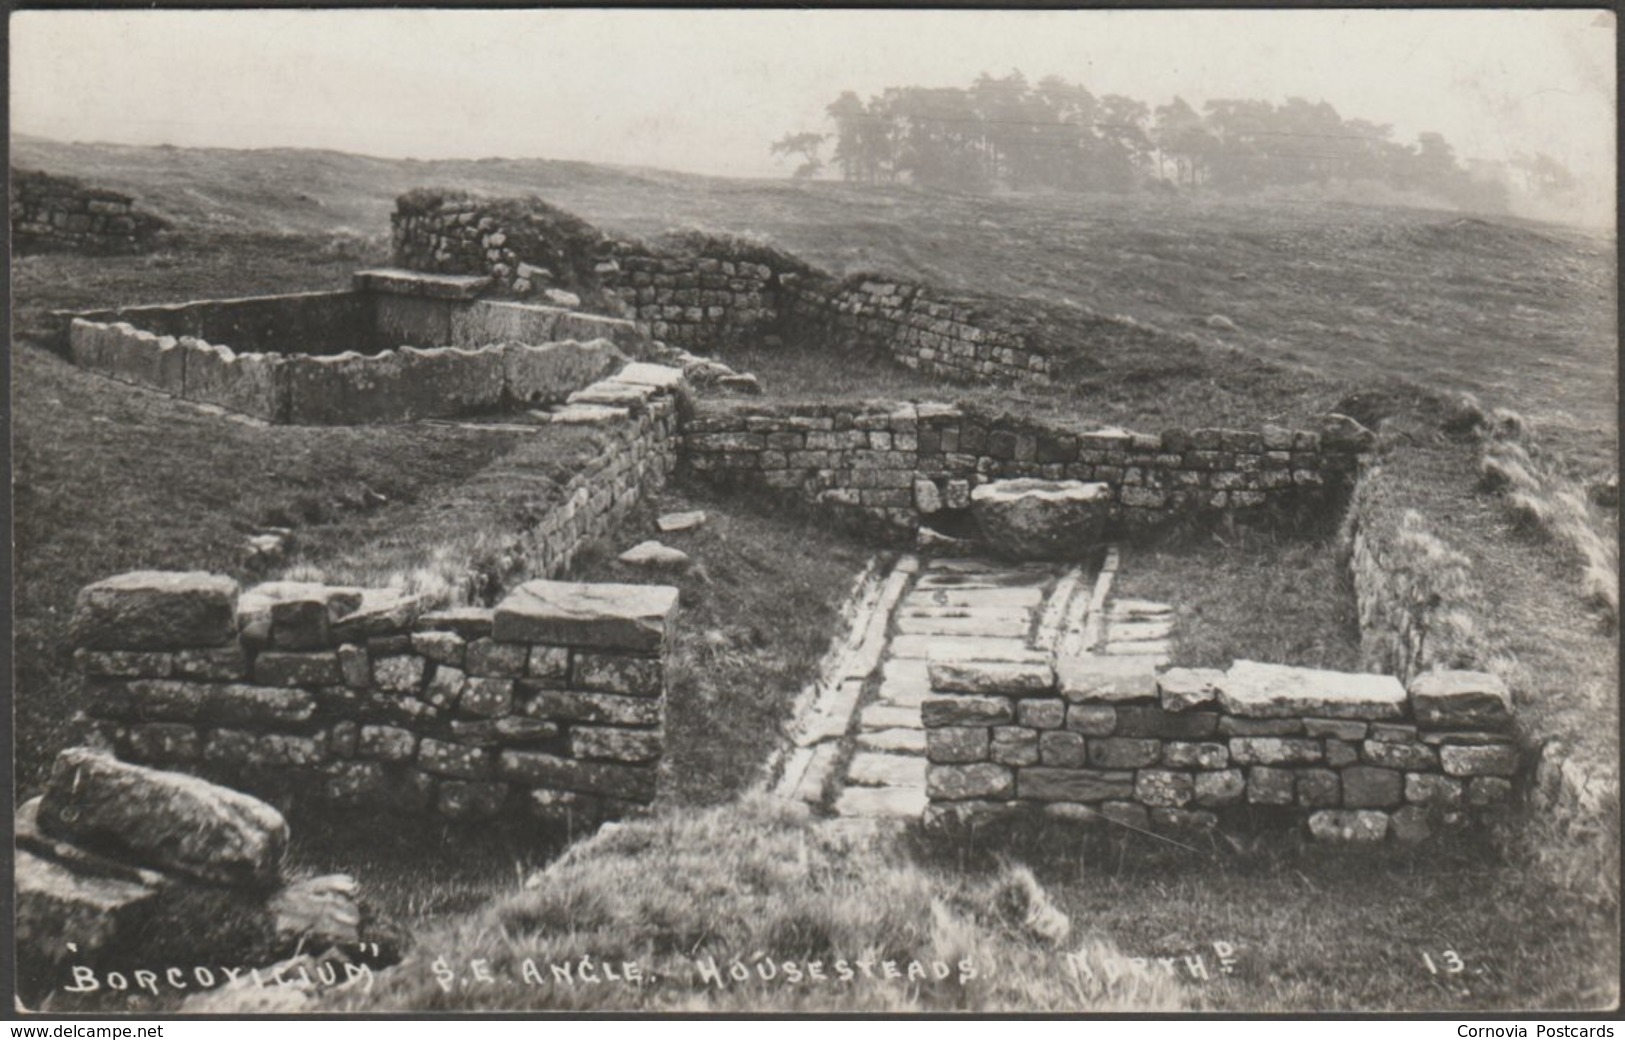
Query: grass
758,882
757,610
1250,595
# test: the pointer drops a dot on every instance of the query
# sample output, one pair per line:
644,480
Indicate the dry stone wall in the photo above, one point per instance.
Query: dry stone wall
1356,756
890,464
58,213
705,292
552,702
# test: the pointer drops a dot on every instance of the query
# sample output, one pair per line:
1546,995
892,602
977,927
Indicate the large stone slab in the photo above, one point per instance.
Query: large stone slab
58,906
1106,680
167,820
156,610
1041,519
1010,678
548,373
1451,699
1275,691
398,281
564,613
253,384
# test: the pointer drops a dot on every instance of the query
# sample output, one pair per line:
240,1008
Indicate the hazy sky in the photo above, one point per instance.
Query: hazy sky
707,90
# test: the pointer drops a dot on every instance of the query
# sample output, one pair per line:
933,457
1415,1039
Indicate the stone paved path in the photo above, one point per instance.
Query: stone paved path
868,752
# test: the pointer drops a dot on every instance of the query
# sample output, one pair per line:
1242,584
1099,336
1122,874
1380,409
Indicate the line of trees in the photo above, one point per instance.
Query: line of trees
1056,135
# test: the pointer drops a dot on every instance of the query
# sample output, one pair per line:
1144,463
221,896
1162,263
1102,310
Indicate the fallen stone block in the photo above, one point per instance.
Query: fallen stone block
614,616
1041,519
170,821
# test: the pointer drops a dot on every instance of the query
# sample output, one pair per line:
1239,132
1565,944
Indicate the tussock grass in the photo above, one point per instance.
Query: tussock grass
690,895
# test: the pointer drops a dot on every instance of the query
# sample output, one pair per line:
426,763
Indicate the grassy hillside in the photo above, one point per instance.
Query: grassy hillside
1522,314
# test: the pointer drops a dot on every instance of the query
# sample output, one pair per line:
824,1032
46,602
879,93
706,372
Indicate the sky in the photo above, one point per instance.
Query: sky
707,91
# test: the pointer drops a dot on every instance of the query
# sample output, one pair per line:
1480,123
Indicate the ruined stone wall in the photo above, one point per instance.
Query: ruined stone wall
1356,756
891,463
696,301
919,327
315,323
550,703
59,213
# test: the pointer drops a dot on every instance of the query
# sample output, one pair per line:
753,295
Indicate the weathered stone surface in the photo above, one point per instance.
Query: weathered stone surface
1062,748
1123,753
549,666
1488,790
317,912
622,617
1050,784
877,769
1162,787
1092,720
1041,519
1488,760
1186,689
1410,825
168,820
897,740
1005,678
1393,732
459,761
156,610
1449,699
1169,818
1255,690
57,906
956,744
1269,785
1185,755
976,780
963,815
1341,433
440,647
1319,787
387,743
227,662
1350,826
684,521
1433,789
1107,680
468,622
927,496
485,698
1273,751
539,769
1014,746
492,660
162,743
507,730
297,668
1338,729
445,686
618,673
1041,713
1149,720
1368,787
576,706
548,373
355,666
1391,755
401,673
132,664
615,744
1219,787
965,710
654,554
470,799
1230,726
381,612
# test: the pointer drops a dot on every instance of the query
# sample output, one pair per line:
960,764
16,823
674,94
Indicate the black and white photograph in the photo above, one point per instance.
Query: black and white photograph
814,512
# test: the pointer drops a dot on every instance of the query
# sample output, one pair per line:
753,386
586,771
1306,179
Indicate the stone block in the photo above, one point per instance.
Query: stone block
1040,519
291,668
1368,787
1050,784
1092,720
1485,791
1337,729
440,647
1273,751
1145,720
489,659
539,769
170,821
965,710
1187,689
1004,678
1253,690
1061,748
1218,787
162,743
611,616
57,905
485,698
1390,755
1462,700
400,673
386,743
957,744
1107,680
1319,788
503,731
1230,726
132,664
225,663
1349,826
1269,785
445,687
1163,787
618,673
974,780
470,799
1014,746
1123,753
1435,790
156,610
459,761
1184,755
608,708
1488,760
615,744
1041,713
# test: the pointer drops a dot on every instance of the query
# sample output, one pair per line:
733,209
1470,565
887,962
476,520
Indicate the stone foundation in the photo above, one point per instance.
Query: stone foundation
551,703
61,214
1355,757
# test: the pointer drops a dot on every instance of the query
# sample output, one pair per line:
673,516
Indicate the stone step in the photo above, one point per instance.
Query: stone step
992,614
819,769
1026,598
881,801
899,741
990,580
905,693
965,648
1134,631
1012,628
1147,647
1138,608
878,769
887,716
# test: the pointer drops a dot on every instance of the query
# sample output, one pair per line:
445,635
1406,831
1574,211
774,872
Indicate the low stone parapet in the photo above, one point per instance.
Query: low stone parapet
1356,757
551,703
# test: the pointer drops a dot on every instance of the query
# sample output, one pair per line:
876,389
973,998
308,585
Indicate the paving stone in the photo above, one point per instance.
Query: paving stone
876,769
1138,608
1007,628
1138,631
908,802
885,716
965,648
898,741
1015,598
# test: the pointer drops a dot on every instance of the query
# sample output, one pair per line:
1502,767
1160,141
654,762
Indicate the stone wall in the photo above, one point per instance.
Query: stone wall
705,292
890,464
923,328
1356,756
59,213
551,703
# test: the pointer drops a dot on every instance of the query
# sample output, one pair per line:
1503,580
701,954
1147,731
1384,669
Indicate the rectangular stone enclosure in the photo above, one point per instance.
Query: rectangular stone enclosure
551,704
396,346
